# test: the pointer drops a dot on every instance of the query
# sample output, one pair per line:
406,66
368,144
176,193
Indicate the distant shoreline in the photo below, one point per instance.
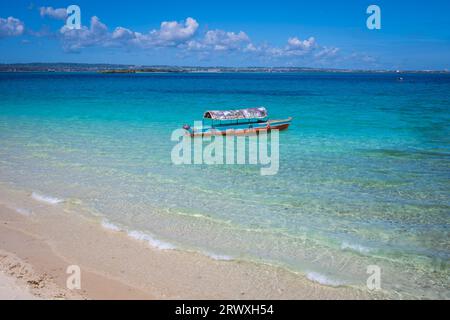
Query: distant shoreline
131,69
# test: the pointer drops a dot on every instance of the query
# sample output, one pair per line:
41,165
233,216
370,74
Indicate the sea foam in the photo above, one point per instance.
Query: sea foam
322,279
110,226
219,257
150,240
355,247
24,211
46,199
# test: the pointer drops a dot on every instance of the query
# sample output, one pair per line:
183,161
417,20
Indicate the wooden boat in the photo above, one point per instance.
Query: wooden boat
242,121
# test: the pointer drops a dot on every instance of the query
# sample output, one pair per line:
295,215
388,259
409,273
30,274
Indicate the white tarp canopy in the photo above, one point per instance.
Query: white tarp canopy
250,113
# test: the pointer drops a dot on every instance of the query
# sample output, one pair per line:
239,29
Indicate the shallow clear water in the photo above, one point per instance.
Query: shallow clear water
363,179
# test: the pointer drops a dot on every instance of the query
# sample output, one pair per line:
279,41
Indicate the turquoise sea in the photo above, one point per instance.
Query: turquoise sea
364,176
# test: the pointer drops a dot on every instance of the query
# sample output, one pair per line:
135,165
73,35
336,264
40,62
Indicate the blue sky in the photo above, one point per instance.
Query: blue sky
321,33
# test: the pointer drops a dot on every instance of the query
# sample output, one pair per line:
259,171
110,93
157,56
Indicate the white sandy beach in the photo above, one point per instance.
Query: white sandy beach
39,241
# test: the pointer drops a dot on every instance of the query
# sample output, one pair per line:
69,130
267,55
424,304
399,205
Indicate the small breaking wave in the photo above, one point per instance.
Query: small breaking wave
110,226
355,247
219,257
137,235
46,199
322,279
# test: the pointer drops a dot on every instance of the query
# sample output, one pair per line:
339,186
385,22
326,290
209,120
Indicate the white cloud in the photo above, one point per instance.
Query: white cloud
121,34
194,45
184,36
296,50
219,40
326,52
298,47
307,50
301,45
170,34
11,27
76,39
59,14
222,40
251,48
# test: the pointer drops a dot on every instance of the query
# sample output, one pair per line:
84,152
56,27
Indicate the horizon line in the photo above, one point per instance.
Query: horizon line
221,67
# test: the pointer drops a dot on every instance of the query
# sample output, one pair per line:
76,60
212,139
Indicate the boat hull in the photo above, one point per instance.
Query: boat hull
248,129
